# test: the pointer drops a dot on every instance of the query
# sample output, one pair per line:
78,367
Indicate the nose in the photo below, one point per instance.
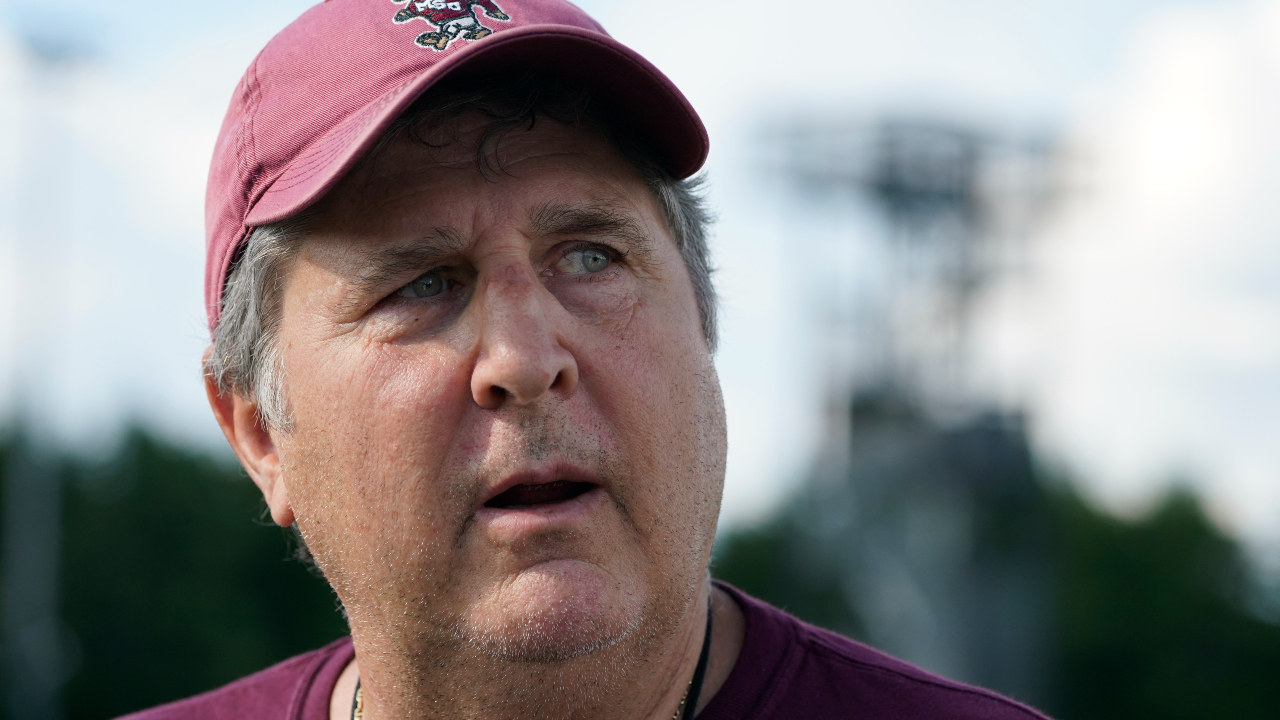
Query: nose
521,358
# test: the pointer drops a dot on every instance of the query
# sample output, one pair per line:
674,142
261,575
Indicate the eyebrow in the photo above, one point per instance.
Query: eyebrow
387,264
598,219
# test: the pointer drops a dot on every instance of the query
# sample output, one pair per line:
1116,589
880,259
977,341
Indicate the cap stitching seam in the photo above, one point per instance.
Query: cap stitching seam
306,170
247,160
252,167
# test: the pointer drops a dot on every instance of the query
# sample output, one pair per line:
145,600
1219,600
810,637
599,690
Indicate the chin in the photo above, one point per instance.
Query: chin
555,611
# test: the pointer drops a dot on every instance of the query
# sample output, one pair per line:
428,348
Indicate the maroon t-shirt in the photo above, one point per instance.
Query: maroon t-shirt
787,669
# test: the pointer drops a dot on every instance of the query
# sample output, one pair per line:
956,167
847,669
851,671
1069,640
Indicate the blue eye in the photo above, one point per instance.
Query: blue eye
585,261
429,284
594,260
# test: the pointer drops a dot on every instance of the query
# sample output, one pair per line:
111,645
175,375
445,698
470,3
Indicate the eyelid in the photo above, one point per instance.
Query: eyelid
449,273
564,250
614,253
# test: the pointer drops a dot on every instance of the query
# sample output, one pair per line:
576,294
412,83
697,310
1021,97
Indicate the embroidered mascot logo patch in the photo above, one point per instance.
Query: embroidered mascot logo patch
451,18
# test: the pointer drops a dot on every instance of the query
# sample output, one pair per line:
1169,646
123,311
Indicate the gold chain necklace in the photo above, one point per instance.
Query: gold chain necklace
683,698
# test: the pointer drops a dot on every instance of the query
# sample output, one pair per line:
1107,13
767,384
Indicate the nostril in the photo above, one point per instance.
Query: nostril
499,392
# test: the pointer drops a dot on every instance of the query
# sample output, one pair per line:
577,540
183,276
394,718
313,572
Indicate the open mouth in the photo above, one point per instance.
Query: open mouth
531,495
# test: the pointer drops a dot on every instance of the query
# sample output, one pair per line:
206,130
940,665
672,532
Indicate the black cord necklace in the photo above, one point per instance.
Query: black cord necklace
695,685
688,703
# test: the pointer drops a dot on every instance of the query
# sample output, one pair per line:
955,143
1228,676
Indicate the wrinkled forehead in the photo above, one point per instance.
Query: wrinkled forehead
468,158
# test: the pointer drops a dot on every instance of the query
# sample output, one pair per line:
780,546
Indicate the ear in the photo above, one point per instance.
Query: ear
252,442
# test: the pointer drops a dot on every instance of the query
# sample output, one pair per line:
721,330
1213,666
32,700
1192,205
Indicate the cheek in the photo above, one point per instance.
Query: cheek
378,391
658,386
372,430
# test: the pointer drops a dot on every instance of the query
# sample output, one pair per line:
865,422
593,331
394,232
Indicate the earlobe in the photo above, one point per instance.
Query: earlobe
252,442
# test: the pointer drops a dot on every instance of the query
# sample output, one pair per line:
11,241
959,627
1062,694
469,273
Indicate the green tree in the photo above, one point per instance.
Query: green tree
172,582
1150,617
1152,620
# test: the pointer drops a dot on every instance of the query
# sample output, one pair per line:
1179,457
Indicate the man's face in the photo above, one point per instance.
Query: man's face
508,433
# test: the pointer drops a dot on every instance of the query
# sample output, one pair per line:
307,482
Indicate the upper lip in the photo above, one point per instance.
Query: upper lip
541,476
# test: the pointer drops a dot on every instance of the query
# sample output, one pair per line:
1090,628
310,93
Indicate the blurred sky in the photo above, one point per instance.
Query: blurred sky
1144,341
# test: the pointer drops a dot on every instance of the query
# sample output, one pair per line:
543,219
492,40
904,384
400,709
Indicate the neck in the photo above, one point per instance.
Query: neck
637,679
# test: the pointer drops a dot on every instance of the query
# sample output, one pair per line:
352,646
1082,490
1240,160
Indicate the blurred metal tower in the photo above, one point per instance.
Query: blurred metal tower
925,502
37,647
956,204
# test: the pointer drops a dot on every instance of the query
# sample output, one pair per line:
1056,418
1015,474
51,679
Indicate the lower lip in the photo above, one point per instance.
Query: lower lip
536,518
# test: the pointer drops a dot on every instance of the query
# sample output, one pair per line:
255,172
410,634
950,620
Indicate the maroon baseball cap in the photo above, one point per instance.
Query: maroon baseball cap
323,91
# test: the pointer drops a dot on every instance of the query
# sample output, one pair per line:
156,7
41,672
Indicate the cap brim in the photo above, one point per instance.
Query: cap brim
624,84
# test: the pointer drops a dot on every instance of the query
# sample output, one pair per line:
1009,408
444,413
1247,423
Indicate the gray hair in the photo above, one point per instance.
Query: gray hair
246,357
